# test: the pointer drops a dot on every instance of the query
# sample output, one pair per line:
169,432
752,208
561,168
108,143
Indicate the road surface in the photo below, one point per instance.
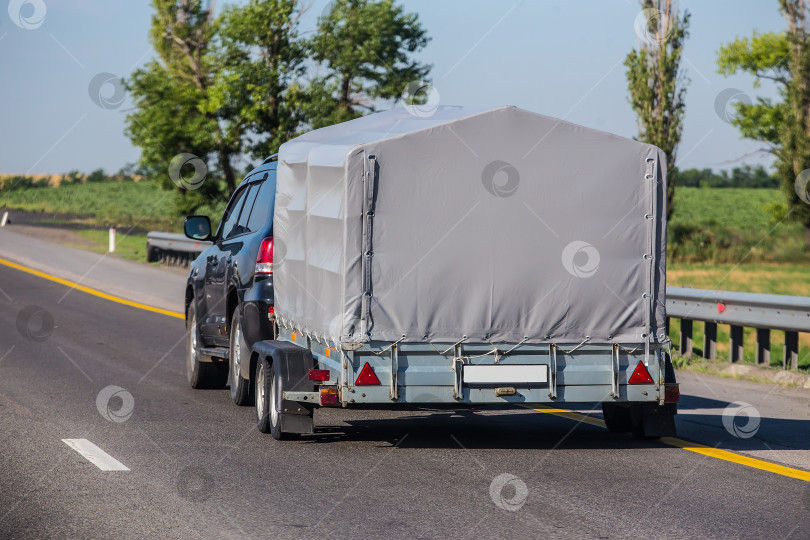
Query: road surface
197,466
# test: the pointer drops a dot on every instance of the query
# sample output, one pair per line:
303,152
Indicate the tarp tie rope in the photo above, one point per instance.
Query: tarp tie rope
462,340
629,351
583,342
385,350
494,351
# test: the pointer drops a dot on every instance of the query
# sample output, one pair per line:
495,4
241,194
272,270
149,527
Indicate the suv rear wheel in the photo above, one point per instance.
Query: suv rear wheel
199,374
238,358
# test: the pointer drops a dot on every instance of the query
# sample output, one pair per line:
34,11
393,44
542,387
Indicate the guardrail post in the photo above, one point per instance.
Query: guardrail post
764,346
790,360
735,353
685,347
710,341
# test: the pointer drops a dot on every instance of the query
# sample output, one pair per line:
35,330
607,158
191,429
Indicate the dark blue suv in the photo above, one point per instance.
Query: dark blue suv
229,293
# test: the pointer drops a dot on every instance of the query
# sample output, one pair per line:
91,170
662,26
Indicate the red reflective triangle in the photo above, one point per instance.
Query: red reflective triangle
640,375
367,376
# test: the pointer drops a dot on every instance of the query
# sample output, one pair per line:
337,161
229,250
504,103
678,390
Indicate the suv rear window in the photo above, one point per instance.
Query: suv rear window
262,208
242,226
228,227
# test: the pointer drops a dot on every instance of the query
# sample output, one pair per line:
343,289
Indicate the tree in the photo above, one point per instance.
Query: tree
657,87
172,114
365,52
264,60
784,59
221,87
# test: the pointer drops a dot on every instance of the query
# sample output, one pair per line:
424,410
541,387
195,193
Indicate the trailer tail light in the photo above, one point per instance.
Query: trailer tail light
264,260
672,393
271,313
367,377
319,374
640,375
329,395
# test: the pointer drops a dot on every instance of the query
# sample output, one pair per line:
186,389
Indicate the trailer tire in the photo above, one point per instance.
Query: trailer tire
200,374
239,349
617,418
268,417
637,424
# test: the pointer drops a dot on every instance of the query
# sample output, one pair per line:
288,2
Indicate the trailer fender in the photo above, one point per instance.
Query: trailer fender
291,364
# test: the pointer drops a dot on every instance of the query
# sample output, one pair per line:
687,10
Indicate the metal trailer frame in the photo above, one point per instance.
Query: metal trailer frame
424,373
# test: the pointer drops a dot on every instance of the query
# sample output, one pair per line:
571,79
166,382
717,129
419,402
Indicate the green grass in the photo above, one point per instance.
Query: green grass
125,204
131,247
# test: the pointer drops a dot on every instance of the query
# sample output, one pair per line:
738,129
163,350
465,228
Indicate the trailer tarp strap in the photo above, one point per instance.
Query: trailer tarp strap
369,182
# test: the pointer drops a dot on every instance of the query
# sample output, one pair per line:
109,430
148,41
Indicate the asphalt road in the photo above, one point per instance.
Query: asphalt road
199,468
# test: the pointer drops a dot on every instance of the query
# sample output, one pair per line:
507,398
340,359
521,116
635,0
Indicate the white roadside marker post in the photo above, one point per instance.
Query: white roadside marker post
4,219
112,239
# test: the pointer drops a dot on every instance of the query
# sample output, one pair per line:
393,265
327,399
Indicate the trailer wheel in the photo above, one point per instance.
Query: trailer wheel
199,374
617,418
267,388
238,358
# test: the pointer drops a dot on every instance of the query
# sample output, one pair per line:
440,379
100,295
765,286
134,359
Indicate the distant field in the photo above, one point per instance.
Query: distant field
123,203
791,279
731,207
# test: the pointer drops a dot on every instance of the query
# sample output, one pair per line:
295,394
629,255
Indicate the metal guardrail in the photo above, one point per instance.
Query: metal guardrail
765,312
172,248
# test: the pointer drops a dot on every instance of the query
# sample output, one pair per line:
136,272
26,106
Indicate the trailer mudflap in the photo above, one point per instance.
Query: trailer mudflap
656,420
292,364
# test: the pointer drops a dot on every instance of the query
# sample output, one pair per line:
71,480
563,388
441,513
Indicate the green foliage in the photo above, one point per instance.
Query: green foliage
96,176
776,210
745,177
657,88
264,60
365,50
19,182
73,177
765,57
783,58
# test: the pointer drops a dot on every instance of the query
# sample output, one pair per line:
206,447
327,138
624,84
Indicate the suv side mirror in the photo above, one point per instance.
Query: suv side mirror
197,227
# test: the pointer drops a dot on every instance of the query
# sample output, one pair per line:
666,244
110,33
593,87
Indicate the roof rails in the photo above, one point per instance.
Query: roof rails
271,159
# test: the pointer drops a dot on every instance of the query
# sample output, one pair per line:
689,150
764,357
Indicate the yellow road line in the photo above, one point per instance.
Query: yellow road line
88,290
716,453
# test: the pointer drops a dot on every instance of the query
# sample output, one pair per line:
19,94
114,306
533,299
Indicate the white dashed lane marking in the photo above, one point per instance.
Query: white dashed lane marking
95,455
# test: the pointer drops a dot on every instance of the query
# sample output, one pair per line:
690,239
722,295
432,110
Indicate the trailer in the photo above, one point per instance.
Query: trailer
469,258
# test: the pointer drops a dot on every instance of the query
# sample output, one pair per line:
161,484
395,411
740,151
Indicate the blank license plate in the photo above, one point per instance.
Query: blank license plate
506,374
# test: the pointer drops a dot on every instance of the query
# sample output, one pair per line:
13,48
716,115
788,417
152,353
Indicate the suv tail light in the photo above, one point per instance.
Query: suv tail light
264,260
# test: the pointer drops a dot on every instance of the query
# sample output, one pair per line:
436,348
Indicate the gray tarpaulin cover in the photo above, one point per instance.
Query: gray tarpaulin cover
492,224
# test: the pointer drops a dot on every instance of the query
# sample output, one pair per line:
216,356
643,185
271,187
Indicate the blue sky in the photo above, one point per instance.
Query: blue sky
558,58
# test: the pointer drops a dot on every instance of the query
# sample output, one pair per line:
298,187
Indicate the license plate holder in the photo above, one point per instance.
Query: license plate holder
506,374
